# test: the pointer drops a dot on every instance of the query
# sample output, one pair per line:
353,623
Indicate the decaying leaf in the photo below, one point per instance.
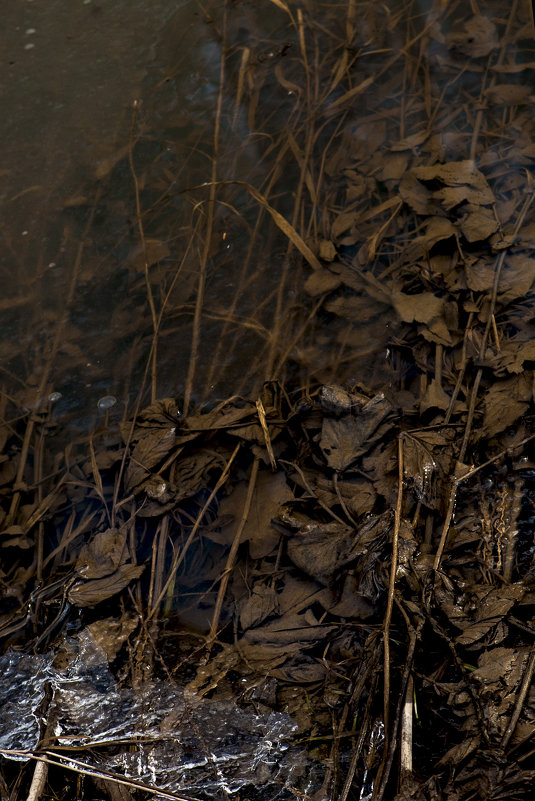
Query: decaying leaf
106,551
488,608
258,606
149,451
423,307
505,403
90,593
151,252
408,267
344,439
320,282
289,629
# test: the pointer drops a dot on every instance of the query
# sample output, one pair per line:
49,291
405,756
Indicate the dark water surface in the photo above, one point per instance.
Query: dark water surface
76,316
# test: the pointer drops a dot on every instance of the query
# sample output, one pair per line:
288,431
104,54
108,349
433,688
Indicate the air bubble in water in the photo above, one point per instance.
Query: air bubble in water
54,397
106,402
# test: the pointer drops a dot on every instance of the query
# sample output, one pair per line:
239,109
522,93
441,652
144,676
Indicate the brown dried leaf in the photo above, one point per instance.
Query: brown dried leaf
340,441
416,195
346,438
479,223
224,416
327,250
189,474
337,400
343,223
149,451
321,550
316,548
505,402
517,277
394,166
509,94
350,603
463,182
355,308
103,555
271,491
288,630
258,606
512,356
320,282
479,37
266,657
497,677
89,593
160,413
423,307
153,252
437,229
479,275
489,606
299,593
303,669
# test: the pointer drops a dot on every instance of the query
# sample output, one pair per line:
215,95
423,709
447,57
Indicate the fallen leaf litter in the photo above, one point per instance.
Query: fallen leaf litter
343,550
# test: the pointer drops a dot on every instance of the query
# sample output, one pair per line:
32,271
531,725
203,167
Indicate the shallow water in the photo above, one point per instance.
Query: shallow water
74,73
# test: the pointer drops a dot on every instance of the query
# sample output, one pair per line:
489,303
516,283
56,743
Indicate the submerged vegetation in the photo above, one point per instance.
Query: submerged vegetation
296,558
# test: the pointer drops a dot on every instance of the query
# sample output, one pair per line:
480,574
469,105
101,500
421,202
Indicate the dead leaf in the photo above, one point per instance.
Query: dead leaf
488,608
150,253
478,223
356,308
478,39
288,630
422,307
342,223
511,357
261,604
327,250
320,282
345,439
90,593
149,451
509,94
271,491
505,402
103,554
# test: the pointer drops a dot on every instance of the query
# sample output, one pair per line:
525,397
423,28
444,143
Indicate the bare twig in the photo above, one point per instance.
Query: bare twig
231,558
391,589
180,555
524,688
203,267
